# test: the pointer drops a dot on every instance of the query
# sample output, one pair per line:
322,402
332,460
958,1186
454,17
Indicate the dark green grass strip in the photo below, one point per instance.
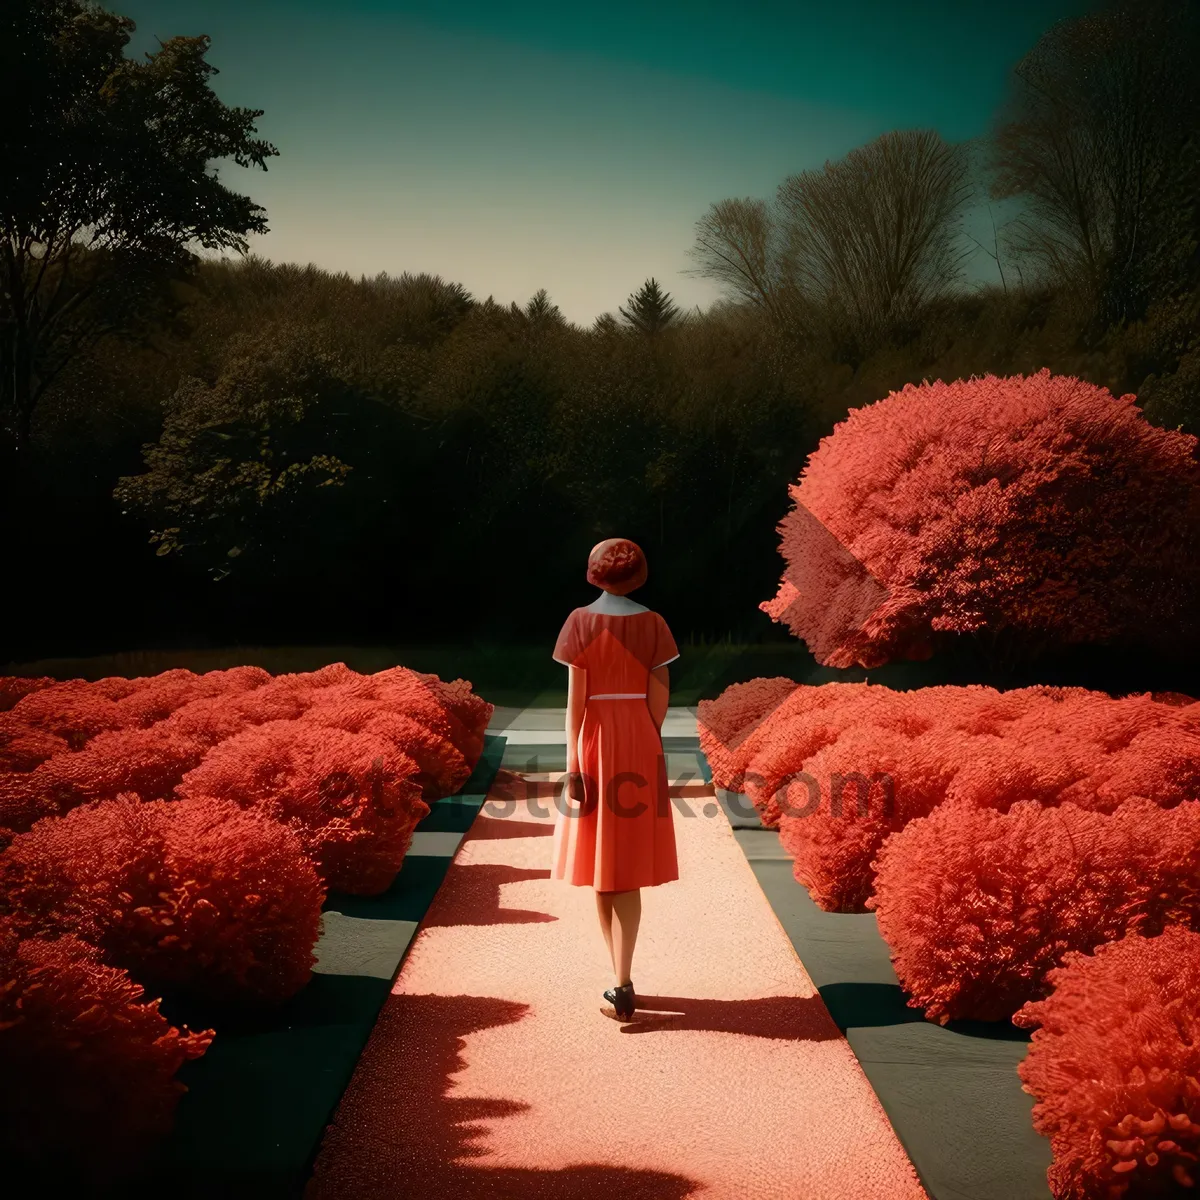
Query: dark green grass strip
259,1100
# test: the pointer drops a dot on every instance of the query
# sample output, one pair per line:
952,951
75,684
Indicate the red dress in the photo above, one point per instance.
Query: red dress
623,834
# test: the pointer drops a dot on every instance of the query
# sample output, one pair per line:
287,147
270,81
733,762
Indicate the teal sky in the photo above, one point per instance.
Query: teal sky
513,146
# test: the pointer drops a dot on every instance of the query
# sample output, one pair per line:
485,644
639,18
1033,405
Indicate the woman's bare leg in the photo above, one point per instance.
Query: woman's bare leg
604,906
627,908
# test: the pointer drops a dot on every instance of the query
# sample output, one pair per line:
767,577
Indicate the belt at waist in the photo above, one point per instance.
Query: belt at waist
618,696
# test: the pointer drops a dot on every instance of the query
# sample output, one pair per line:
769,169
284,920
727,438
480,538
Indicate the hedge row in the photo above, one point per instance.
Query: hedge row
1032,854
176,835
840,767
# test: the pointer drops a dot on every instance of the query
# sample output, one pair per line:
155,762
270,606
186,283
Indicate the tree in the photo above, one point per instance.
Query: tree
870,239
1098,136
239,469
737,245
103,185
541,308
606,325
650,309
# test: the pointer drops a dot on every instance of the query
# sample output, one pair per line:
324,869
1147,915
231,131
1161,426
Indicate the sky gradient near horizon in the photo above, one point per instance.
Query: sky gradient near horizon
515,146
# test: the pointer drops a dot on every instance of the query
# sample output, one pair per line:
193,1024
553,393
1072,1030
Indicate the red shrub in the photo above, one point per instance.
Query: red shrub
351,797
442,769
149,762
156,697
75,710
116,687
23,747
793,742
1041,504
235,680
196,896
978,906
146,762
866,785
86,1067
409,692
212,719
15,687
474,713
1056,745
725,723
1115,1068
1161,762
811,718
331,675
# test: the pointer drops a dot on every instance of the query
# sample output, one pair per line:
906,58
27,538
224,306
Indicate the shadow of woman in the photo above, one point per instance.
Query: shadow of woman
399,1133
785,1018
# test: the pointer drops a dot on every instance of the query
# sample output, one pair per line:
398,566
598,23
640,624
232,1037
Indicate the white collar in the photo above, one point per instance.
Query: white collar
606,602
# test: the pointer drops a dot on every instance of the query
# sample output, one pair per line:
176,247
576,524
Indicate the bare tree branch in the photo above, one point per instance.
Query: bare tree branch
871,237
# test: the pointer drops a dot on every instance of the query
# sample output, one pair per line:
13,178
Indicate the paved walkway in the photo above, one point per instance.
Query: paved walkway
492,1073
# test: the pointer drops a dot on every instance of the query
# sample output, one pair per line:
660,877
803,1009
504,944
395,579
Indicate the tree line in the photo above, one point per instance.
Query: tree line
196,449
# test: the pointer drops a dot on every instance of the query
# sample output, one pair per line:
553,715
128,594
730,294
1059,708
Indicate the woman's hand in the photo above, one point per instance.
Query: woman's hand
573,786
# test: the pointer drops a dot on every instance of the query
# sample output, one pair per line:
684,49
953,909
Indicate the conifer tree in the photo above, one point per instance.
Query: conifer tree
650,309
542,308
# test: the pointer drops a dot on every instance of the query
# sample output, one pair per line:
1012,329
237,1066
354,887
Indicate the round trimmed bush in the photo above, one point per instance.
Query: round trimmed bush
1114,1067
416,695
473,711
442,769
1042,505
196,897
978,906
87,1067
350,797
865,786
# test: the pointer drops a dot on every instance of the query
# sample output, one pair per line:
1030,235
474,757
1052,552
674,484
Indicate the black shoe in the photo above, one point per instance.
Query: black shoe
622,1000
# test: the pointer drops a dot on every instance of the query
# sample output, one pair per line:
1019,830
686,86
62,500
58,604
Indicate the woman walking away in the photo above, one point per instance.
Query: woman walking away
615,831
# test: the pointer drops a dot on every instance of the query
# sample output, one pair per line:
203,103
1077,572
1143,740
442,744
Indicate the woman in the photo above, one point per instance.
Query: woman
621,837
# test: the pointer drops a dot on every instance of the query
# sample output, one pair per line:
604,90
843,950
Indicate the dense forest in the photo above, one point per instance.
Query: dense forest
203,451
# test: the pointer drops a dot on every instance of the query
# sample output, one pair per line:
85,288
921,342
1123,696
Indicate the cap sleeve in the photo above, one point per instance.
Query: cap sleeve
568,650
665,650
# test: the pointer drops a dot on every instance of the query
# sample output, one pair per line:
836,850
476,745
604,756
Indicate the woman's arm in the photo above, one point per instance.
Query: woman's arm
658,695
576,698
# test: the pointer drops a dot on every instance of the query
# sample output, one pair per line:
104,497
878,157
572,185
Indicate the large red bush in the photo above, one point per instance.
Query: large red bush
77,710
87,1068
807,723
401,689
156,697
978,906
351,797
1115,1068
196,896
1042,505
